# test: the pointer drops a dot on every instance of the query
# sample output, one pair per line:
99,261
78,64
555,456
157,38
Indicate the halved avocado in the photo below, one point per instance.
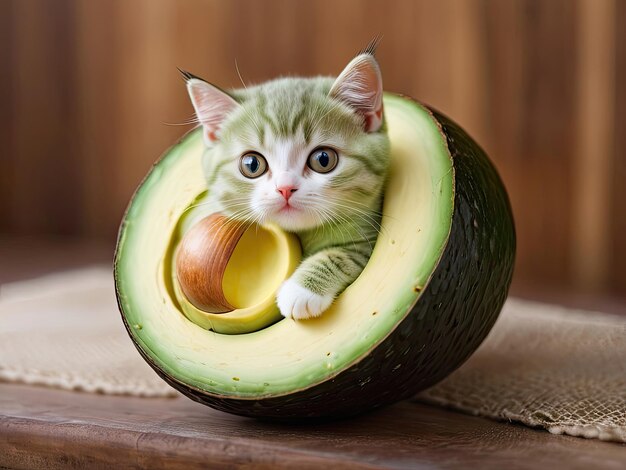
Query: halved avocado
432,290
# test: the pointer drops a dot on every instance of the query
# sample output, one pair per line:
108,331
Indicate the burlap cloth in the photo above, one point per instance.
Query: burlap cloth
542,365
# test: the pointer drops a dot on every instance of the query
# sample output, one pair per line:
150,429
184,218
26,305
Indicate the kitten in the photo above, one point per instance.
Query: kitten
309,155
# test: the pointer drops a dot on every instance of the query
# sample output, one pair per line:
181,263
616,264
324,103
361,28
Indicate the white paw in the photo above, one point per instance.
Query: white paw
295,301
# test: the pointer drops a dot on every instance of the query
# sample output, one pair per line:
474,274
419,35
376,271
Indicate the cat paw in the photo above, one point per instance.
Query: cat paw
299,303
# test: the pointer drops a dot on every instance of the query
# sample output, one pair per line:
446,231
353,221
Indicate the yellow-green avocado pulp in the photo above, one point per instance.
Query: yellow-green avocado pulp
269,372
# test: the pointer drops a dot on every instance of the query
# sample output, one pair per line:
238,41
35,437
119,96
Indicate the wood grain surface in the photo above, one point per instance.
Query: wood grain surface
44,428
89,87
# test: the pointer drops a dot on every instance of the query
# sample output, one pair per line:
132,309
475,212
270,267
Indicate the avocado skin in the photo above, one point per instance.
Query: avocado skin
451,318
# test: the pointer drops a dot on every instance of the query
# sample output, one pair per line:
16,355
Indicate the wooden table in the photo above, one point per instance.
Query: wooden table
47,428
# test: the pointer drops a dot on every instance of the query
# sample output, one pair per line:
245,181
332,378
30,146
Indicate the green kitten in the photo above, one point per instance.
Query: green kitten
310,155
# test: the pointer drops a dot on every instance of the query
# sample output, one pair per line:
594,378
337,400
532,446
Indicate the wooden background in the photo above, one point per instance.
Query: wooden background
86,87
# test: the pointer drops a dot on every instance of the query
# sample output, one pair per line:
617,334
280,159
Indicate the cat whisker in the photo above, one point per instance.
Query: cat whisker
352,201
333,222
239,201
192,120
239,75
357,229
184,123
367,212
350,223
365,216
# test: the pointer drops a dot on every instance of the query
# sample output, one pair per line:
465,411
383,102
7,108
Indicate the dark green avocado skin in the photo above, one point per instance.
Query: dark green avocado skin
455,312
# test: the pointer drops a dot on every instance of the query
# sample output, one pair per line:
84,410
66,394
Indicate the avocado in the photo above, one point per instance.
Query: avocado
433,288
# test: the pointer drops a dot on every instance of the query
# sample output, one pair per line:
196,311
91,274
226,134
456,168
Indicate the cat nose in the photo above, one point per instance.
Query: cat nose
286,191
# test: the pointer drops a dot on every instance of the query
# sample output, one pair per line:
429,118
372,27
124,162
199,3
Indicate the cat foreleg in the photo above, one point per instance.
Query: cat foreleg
318,280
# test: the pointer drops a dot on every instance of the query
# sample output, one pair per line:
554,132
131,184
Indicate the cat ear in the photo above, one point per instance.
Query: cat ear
211,104
360,85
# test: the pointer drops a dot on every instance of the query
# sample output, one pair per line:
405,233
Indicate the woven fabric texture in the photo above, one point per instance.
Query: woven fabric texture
546,366
64,330
542,365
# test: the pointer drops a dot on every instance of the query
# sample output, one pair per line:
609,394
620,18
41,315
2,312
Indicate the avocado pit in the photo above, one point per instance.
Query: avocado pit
201,261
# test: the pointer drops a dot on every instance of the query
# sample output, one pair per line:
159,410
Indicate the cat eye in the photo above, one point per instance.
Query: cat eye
252,165
323,160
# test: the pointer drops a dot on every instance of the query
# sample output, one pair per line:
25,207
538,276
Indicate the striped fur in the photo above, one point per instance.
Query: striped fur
337,214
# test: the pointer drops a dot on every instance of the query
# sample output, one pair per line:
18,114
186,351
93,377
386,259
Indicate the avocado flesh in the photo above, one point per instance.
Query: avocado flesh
394,324
262,260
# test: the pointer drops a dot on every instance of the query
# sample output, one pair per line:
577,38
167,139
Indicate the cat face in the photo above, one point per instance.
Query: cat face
297,152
